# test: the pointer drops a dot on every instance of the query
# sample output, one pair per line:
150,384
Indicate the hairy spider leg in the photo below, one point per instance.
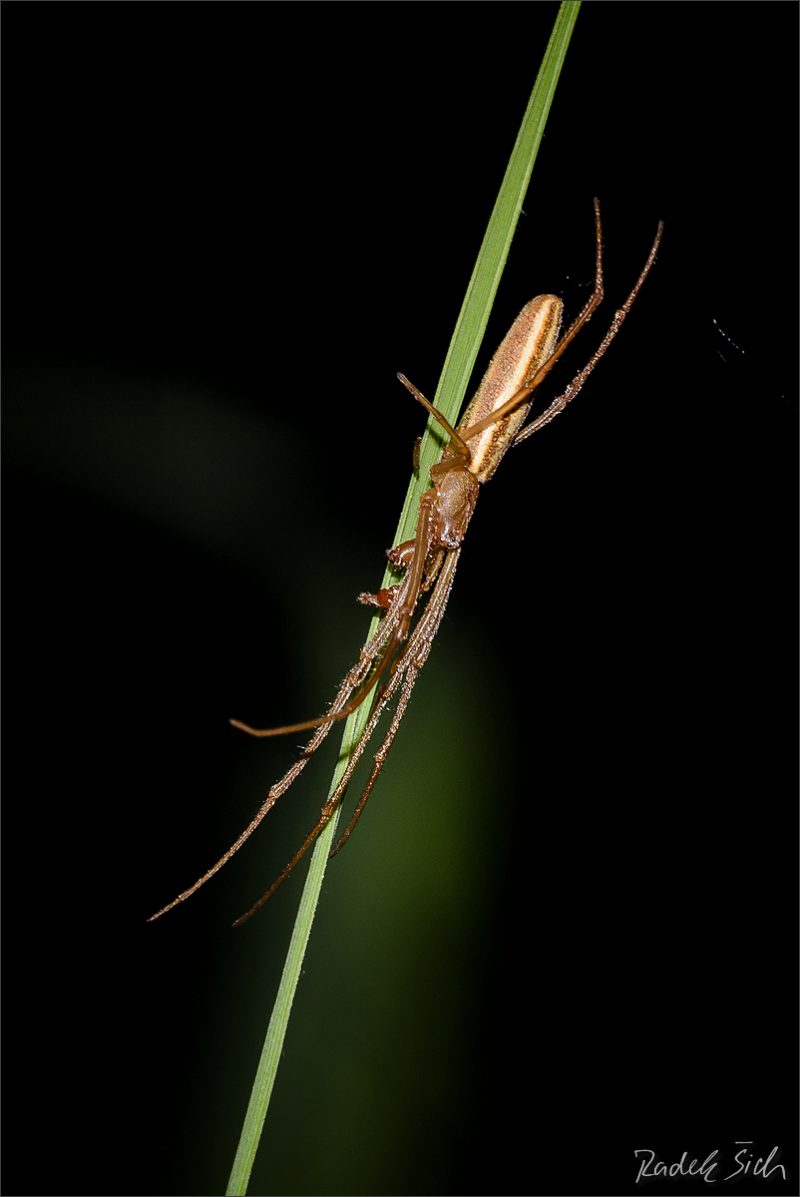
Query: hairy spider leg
276,791
588,309
438,601
560,402
416,650
405,600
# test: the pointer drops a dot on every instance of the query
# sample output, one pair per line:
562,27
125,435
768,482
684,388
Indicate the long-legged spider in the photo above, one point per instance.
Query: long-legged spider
492,423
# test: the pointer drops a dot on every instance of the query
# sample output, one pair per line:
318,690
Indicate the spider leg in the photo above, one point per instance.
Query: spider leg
392,632
417,655
331,716
455,439
329,809
560,402
401,556
380,756
593,302
354,678
413,657
393,629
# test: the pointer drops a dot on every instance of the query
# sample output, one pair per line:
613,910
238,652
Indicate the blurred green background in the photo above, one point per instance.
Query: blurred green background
226,227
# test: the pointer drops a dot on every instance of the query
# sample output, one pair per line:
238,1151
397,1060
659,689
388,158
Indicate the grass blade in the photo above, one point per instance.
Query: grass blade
459,363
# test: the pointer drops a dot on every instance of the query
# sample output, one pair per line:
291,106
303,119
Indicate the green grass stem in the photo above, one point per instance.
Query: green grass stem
464,347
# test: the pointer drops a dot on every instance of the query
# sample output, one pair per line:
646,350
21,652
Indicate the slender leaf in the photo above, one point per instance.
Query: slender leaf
458,366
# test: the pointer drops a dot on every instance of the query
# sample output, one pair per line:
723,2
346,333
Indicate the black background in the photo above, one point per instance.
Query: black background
565,930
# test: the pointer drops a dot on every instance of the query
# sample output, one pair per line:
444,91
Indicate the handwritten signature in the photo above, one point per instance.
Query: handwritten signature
747,1163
